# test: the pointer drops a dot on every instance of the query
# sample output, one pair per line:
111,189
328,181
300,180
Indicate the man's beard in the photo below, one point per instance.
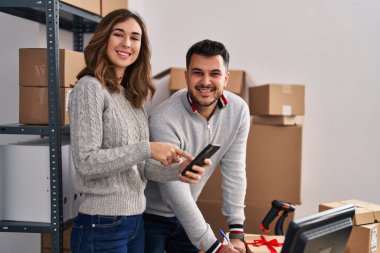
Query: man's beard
199,104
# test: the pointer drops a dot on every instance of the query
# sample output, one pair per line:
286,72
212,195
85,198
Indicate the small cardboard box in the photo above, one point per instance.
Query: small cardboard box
87,5
33,107
33,67
278,120
364,239
274,158
236,84
365,212
46,240
256,243
109,5
277,99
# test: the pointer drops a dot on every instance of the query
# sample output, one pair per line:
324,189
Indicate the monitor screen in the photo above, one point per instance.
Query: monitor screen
324,232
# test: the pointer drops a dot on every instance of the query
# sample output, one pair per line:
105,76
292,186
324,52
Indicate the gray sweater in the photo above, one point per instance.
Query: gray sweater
174,121
111,151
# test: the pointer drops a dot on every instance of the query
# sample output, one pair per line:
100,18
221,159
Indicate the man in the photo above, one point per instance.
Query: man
192,118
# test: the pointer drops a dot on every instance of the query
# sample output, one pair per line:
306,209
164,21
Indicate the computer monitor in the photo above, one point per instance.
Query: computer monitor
324,232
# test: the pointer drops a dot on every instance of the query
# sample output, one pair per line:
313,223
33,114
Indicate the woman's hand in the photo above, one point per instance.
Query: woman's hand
191,177
166,153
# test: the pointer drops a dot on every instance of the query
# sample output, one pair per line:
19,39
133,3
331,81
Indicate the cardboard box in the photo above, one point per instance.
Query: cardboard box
87,5
256,243
26,181
46,240
237,82
278,120
364,239
274,155
109,5
33,67
34,105
277,99
365,212
212,191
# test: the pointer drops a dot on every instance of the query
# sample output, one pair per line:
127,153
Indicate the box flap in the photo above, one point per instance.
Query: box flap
365,212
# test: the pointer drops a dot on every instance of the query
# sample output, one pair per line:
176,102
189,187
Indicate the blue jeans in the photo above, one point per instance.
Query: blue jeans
110,234
166,233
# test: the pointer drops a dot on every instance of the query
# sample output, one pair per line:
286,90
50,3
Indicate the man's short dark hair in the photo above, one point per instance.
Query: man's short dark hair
208,48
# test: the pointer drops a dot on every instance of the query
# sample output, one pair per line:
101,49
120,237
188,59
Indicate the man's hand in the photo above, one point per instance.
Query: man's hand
238,245
227,249
191,177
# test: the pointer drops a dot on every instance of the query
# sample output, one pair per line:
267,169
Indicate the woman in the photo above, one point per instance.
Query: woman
110,139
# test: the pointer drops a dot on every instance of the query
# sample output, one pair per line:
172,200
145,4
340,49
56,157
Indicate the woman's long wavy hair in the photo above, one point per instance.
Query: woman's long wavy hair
137,77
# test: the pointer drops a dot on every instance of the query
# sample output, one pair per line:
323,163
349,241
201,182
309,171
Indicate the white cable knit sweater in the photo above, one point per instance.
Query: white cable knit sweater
111,151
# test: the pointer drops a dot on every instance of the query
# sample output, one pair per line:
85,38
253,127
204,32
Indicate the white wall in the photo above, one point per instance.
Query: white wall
331,46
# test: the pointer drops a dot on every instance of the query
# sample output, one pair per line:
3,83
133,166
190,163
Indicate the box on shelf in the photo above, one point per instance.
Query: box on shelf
33,107
257,243
92,6
365,212
26,181
277,99
236,84
278,120
46,240
274,155
33,67
109,5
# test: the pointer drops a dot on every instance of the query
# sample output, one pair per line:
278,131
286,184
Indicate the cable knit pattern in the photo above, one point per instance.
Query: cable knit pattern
111,151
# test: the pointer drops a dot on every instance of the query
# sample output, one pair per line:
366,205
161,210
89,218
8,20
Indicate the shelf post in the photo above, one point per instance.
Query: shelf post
52,38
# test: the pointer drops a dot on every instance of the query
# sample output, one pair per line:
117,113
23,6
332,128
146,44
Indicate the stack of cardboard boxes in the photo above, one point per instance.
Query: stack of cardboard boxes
274,151
364,236
33,79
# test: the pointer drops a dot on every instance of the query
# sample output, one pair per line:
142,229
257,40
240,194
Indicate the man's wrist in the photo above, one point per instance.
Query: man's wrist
236,236
236,231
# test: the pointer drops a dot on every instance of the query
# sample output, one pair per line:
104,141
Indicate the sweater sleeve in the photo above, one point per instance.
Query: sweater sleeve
233,168
86,105
155,171
178,196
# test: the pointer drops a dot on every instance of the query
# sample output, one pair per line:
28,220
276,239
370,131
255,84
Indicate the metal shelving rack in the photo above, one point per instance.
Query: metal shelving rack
55,15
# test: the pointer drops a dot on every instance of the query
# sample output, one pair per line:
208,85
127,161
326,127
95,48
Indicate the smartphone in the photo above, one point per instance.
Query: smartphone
207,152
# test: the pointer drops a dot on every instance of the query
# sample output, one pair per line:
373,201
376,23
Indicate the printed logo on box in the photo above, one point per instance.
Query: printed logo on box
374,240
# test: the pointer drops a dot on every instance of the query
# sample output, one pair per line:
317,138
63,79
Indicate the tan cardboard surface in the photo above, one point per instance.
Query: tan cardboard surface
364,239
249,238
33,67
109,5
278,120
277,99
274,155
33,107
365,212
87,5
